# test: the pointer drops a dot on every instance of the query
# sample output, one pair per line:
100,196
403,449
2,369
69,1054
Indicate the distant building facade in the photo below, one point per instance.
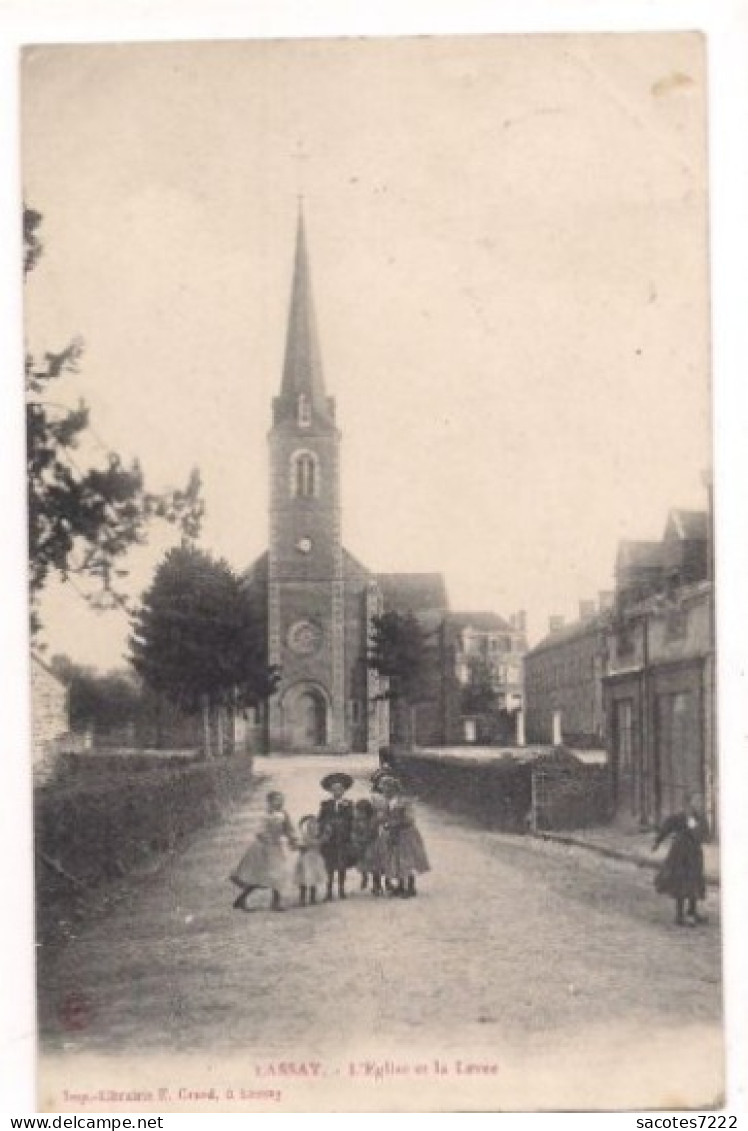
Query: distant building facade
563,682
483,661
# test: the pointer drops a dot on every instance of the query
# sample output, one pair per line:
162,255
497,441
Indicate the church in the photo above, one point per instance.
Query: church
319,599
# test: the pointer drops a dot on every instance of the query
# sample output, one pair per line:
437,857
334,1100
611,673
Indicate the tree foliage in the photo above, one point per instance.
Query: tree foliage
397,651
479,695
83,520
100,699
198,636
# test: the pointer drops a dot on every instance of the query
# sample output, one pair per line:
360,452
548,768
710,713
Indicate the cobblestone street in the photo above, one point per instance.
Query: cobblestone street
555,963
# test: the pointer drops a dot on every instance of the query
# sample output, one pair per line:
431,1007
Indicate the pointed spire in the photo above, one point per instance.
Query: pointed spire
302,366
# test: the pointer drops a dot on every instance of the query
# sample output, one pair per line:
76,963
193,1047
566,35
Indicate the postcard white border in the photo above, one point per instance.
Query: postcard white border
726,26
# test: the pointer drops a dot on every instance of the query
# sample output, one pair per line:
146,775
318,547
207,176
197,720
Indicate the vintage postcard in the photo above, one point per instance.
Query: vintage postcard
372,574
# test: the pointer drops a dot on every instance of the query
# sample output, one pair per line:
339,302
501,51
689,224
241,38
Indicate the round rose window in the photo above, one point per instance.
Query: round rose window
304,638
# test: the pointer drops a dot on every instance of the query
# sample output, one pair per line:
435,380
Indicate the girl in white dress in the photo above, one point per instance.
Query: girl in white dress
263,865
309,872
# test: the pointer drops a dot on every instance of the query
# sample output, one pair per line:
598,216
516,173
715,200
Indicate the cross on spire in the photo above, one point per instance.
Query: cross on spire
299,156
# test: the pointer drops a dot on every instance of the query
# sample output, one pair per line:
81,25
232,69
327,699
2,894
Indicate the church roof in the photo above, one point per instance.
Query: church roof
257,571
482,621
302,365
413,592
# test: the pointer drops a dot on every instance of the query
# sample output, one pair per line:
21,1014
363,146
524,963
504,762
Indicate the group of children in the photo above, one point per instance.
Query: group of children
377,835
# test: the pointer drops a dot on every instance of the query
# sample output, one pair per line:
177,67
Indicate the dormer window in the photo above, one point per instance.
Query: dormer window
304,475
303,411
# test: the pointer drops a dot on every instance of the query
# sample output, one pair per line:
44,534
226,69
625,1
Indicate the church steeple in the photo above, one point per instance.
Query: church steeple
306,584
302,396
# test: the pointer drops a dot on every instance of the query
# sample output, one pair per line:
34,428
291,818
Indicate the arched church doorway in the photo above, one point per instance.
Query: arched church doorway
305,714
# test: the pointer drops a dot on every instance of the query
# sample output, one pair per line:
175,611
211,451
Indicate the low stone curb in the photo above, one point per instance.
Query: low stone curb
611,853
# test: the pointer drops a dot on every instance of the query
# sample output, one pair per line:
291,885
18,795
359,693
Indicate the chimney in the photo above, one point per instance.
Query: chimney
520,620
555,624
586,611
606,598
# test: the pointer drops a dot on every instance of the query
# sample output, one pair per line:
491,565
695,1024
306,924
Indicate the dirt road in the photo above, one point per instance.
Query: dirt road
557,966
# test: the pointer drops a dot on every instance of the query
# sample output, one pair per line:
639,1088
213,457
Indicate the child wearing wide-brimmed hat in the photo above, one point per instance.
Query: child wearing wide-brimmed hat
309,871
378,852
336,826
401,851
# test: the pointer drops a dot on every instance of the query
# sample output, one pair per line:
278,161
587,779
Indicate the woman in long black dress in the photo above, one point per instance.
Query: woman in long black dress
681,875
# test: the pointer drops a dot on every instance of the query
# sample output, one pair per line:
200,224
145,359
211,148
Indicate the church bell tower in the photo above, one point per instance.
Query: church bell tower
305,560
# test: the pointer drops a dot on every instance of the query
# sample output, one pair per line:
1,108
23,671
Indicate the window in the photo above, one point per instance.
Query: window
304,411
625,642
623,731
304,475
676,624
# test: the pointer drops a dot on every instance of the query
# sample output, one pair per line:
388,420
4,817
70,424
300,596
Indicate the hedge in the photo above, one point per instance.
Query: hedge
498,792
89,829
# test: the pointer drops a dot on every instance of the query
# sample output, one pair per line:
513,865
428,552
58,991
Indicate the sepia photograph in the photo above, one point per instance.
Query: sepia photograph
371,574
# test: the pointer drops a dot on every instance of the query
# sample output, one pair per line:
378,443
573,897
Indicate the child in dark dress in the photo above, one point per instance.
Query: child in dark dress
364,838
681,875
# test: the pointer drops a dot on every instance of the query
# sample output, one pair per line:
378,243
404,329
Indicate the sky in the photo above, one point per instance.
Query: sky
507,238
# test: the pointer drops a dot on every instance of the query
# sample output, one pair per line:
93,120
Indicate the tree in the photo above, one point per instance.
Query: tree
198,639
479,695
103,700
397,651
83,520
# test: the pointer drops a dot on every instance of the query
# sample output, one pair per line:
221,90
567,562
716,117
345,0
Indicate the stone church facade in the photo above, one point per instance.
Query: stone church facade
319,599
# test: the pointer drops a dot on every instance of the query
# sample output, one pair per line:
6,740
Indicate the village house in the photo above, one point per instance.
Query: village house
563,680
50,720
659,684
636,676
484,675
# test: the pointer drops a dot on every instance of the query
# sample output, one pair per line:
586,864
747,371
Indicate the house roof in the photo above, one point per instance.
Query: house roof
638,555
413,592
570,632
689,526
45,667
